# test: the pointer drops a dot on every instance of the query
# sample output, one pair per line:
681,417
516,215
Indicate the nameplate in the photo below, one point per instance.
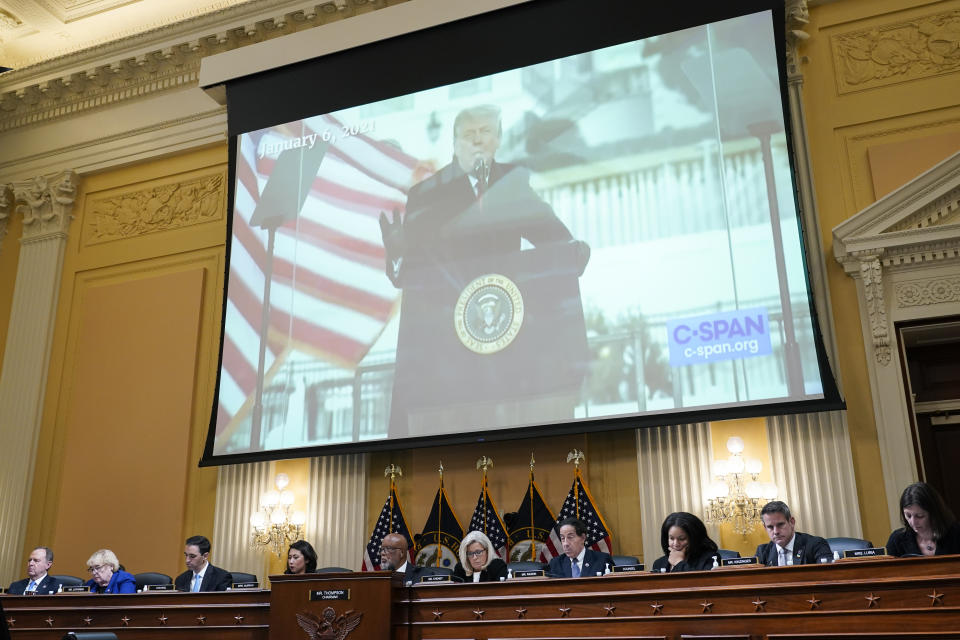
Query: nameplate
627,568
78,588
529,573
736,562
865,553
441,578
245,585
330,594
159,587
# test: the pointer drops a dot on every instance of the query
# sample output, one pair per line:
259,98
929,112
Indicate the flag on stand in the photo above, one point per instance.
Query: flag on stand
439,543
330,297
391,520
579,504
487,520
531,526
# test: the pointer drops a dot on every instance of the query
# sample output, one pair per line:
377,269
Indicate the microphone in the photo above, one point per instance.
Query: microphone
481,171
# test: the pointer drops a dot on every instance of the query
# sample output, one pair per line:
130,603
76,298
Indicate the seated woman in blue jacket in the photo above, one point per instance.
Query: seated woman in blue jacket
107,576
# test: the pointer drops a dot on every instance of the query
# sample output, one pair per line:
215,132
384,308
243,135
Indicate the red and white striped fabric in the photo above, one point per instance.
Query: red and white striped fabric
330,297
581,505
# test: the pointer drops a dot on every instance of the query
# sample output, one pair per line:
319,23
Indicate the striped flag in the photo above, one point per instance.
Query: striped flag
391,520
486,520
439,543
531,527
579,504
330,298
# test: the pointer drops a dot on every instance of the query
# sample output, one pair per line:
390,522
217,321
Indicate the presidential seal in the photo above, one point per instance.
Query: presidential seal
488,314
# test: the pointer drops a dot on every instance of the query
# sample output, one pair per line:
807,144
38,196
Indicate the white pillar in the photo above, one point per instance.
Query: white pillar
46,203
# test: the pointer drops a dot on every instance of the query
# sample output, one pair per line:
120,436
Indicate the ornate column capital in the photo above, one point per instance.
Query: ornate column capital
46,203
797,19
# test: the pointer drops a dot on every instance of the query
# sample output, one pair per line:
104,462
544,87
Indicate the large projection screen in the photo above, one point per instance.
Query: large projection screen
565,236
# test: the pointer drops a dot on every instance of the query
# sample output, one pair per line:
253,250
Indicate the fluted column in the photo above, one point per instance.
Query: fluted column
46,204
336,520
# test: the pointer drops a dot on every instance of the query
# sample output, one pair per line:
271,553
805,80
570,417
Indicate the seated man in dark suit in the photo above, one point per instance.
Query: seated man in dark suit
786,545
200,574
577,560
38,581
394,555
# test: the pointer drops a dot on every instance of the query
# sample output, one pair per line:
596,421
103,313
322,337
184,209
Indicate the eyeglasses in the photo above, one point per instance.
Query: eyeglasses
477,553
389,549
99,568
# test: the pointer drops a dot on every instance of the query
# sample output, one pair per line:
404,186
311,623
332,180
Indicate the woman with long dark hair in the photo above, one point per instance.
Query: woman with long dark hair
929,527
301,558
685,543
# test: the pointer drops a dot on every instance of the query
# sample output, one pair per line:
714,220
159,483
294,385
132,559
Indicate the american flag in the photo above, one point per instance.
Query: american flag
486,520
330,297
391,520
579,504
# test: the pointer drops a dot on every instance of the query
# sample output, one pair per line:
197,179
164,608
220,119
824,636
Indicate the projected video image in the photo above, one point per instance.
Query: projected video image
607,234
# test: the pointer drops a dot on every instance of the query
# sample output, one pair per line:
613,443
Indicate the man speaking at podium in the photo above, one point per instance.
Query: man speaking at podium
490,335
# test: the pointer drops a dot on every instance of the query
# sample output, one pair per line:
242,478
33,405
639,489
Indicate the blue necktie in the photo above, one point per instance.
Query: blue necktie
574,568
31,587
196,583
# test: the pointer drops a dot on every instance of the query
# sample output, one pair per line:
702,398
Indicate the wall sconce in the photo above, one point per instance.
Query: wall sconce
274,526
731,497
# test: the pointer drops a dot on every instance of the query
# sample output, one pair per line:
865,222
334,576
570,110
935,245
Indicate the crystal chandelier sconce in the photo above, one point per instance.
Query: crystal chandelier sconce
275,525
736,496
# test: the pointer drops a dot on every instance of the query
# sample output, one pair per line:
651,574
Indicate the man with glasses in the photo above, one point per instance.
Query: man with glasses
200,574
577,560
38,581
394,556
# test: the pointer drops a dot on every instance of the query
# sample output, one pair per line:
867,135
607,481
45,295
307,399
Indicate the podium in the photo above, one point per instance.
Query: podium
334,606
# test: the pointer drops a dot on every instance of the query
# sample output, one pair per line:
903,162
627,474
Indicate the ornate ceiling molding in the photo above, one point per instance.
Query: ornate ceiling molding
161,59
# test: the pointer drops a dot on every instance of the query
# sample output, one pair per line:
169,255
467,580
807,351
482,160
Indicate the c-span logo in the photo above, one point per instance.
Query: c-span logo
488,314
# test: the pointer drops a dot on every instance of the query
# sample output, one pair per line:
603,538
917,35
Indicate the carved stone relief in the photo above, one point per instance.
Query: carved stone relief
871,272
896,52
946,210
156,208
928,291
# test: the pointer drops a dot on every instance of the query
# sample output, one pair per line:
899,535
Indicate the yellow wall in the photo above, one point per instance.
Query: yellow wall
847,117
9,257
128,394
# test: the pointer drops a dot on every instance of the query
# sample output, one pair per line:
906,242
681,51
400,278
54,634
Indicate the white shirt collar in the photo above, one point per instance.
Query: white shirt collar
583,552
789,546
402,568
202,571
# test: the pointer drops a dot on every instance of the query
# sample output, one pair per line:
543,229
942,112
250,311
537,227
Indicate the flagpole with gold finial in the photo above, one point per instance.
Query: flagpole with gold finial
533,541
392,471
439,510
577,458
483,464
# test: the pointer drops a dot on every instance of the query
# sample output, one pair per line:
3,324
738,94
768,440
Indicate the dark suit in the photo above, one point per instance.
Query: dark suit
492,573
214,579
807,549
703,562
48,585
450,237
120,582
593,562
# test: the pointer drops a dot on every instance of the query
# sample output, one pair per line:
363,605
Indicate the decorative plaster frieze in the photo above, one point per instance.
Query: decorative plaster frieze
871,273
797,19
922,253
46,203
157,60
896,52
927,291
158,208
